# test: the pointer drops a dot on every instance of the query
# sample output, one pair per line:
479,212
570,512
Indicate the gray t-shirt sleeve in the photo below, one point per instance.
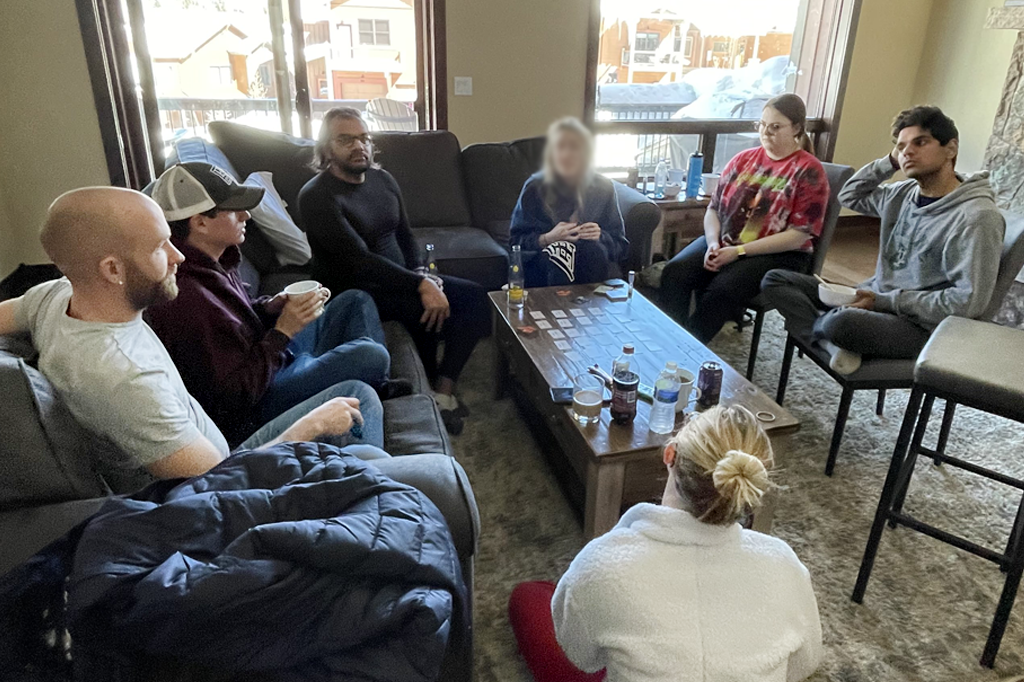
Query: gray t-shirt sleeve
26,315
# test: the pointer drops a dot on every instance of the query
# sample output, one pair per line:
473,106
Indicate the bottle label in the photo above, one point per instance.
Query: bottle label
515,268
666,395
515,294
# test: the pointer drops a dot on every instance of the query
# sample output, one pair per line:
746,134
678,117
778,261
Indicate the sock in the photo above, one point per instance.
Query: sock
843,361
446,401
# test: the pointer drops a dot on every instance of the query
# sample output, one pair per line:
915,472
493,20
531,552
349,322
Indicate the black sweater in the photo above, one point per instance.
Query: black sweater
360,234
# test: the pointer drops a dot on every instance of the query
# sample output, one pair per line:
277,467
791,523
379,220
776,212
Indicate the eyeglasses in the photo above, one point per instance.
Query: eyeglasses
771,128
350,140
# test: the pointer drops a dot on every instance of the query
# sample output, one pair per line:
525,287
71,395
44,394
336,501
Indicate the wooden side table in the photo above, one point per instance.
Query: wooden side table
682,221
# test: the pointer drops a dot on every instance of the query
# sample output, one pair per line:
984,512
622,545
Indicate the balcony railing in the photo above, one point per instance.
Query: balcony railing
190,116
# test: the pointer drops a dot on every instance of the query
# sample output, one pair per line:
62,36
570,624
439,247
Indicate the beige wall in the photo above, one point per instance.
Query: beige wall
962,71
50,137
527,59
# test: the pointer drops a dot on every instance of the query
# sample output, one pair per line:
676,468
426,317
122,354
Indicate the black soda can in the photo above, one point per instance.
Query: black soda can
624,387
709,381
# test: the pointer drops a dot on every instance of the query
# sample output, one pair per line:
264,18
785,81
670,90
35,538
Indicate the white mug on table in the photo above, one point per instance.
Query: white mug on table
687,381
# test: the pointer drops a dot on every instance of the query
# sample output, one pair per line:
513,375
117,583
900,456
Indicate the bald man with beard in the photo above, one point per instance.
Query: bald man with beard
113,247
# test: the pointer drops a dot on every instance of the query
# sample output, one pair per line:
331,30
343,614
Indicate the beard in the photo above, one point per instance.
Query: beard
350,166
143,292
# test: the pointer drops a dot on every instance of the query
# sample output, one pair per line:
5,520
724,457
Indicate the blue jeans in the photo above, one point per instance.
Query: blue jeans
369,406
346,342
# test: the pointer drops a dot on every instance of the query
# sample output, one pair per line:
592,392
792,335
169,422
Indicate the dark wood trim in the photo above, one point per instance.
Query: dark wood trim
842,57
275,13
302,104
423,80
431,64
691,126
147,83
439,52
593,53
103,96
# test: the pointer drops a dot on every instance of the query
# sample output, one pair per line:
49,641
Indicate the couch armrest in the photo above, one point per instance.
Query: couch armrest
444,481
641,216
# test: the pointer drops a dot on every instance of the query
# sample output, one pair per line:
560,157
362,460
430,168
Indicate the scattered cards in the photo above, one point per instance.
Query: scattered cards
564,324
574,356
602,289
572,333
537,315
562,345
576,312
543,324
556,333
585,322
558,313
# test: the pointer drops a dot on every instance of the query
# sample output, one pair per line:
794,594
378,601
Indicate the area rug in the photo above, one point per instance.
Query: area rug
928,607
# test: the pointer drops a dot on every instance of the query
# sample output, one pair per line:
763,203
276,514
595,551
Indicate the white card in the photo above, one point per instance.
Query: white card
543,324
564,324
585,322
556,333
576,312
562,345
602,289
572,333
537,315
558,313
574,356
596,312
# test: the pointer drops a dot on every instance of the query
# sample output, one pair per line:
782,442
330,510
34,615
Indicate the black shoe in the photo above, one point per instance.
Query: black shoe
452,422
394,388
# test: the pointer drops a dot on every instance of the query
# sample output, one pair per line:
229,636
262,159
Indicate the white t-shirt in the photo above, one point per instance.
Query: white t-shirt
664,597
116,378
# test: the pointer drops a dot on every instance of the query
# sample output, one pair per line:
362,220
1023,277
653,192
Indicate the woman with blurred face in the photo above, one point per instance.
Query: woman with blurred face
766,213
567,220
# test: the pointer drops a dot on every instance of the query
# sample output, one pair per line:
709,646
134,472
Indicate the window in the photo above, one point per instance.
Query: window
374,32
647,42
677,38
220,75
688,50
720,46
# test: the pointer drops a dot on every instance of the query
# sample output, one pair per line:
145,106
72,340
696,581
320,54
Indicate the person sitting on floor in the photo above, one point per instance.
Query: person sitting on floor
680,591
113,246
767,212
247,361
941,240
354,216
567,221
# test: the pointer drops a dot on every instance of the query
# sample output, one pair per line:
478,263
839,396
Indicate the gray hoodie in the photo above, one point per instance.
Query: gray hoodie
936,260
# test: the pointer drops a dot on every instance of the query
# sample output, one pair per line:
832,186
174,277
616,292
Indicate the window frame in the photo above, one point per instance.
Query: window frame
375,32
839,32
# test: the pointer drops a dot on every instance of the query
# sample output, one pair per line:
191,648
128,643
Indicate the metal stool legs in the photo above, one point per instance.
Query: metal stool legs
755,341
903,482
787,363
837,433
1009,595
880,405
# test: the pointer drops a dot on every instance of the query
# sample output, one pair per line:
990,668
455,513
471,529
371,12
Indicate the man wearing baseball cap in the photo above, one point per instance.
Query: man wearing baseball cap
247,360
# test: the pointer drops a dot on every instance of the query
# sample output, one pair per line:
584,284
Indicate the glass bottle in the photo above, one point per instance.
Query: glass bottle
515,278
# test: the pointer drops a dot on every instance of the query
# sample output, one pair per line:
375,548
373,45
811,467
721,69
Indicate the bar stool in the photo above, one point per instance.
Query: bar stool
957,365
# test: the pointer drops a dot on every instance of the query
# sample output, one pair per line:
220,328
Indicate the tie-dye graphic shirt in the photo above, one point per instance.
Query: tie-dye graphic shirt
758,197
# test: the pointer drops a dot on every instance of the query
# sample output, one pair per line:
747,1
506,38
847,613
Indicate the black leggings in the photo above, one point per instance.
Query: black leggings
721,296
590,264
470,321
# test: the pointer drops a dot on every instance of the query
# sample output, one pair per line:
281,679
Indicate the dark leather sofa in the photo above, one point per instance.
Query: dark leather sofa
459,200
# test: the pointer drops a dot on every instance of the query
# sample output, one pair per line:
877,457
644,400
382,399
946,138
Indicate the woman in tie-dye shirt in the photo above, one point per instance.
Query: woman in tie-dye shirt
766,213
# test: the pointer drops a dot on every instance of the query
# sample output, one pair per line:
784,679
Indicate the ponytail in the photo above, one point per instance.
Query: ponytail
741,480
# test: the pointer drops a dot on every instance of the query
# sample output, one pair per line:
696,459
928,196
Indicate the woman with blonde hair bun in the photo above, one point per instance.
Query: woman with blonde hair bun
681,591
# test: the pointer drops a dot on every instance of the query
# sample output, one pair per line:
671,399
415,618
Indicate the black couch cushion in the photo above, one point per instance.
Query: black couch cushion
495,173
428,168
412,425
466,252
286,156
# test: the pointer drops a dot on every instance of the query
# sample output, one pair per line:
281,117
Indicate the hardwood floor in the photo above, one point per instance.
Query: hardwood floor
852,256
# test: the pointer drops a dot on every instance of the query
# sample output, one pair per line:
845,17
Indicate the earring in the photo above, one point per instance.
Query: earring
120,282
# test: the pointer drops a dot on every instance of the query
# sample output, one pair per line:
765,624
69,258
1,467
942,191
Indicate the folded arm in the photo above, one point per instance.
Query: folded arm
864,192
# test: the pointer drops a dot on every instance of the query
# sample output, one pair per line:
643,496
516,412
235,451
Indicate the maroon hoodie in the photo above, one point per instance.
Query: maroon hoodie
222,341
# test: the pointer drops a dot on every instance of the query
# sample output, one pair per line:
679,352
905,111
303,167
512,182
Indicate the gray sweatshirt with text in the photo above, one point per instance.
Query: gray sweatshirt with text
936,260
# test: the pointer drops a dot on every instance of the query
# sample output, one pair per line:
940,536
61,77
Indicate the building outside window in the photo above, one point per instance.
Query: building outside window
374,32
220,75
647,42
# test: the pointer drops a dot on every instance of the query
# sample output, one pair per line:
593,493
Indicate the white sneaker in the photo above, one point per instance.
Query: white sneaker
842,361
446,402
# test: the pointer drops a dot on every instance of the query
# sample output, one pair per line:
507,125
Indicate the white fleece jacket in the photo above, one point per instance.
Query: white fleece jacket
664,597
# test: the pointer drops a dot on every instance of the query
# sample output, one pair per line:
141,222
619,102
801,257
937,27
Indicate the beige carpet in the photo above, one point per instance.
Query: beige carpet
928,607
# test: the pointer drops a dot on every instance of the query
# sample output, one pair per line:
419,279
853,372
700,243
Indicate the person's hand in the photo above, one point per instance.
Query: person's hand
333,418
713,248
562,232
435,306
276,304
721,258
590,231
298,311
894,158
865,300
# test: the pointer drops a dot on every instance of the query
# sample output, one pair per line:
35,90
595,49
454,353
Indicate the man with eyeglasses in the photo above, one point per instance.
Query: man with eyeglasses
358,230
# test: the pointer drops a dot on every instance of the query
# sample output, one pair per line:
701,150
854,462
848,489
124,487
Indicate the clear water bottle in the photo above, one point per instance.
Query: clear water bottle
515,278
660,179
666,395
431,264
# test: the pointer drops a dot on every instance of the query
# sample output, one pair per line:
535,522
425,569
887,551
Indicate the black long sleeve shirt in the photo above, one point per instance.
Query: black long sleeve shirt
360,234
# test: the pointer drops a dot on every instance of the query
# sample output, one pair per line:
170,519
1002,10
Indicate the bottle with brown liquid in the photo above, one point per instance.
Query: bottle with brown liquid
624,387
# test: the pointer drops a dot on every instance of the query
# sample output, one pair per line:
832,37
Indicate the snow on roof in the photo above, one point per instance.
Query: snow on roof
176,34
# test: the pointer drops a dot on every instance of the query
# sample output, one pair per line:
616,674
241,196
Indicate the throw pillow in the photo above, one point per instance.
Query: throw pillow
277,226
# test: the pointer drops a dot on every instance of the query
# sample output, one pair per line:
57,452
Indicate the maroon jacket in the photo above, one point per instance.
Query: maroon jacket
223,343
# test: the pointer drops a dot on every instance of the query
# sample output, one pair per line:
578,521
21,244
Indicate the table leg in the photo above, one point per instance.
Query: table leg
500,367
604,497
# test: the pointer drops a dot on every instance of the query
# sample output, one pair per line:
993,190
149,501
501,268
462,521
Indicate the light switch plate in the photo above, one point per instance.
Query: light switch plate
464,85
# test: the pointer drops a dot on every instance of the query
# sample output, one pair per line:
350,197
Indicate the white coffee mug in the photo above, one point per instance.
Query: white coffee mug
306,286
710,182
686,387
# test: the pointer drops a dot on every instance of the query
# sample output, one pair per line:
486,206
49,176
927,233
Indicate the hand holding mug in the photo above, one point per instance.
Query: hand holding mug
305,302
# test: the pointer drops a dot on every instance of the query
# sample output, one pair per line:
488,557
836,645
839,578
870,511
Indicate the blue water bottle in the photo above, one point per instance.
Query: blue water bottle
693,175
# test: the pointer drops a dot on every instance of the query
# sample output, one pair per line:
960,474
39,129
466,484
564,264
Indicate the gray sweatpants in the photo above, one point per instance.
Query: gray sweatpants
870,333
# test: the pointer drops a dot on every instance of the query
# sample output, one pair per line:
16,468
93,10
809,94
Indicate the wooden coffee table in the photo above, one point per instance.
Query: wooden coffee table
616,466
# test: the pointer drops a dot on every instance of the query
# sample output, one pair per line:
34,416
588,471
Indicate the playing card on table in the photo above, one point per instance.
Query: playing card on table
572,333
644,337
584,321
562,345
574,356
597,312
653,347
543,324
537,315
558,313
602,289
564,324
556,333
576,312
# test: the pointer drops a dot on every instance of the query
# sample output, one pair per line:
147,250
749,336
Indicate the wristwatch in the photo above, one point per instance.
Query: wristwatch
741,250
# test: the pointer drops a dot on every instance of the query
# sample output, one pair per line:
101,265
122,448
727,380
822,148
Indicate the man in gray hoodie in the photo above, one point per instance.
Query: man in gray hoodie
941,239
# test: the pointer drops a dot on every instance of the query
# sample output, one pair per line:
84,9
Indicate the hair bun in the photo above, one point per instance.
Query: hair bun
741,478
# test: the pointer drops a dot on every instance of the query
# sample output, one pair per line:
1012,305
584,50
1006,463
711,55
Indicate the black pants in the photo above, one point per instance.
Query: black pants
721,296
870,333
470,321
589,264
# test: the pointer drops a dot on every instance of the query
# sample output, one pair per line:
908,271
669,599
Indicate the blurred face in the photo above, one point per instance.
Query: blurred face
778,133
151,265
920,154
351,146
569,156
225,229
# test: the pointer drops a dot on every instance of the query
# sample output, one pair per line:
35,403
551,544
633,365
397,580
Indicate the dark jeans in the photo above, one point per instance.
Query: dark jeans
721,296
470,321
873,334
591,265
346,342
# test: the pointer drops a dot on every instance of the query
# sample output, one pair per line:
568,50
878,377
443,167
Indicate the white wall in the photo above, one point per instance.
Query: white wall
50,137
